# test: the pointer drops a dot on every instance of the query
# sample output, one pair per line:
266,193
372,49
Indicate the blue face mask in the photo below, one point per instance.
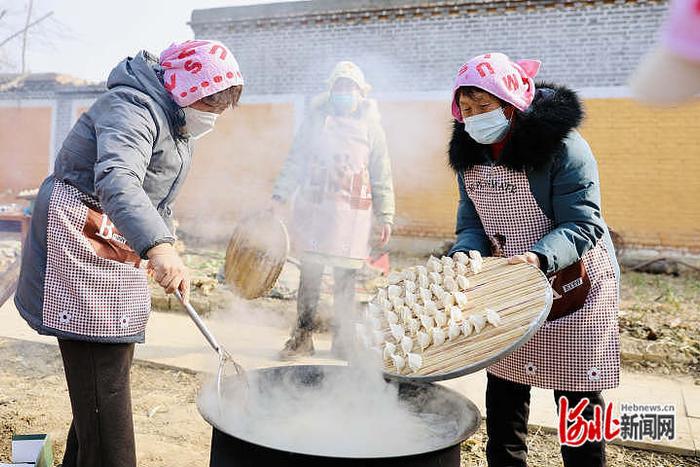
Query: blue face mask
343,103
487,128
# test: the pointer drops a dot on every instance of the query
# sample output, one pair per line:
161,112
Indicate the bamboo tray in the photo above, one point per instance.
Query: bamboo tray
520,293
256,254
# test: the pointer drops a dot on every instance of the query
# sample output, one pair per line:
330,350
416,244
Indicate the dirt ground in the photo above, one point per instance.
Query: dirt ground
169,430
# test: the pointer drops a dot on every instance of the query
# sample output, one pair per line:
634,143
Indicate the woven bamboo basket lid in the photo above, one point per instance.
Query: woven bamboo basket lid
520,294
256,254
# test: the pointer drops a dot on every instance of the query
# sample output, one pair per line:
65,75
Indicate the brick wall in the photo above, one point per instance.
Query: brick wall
420,47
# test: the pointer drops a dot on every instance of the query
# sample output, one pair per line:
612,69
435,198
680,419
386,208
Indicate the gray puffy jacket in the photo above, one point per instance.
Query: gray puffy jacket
124,152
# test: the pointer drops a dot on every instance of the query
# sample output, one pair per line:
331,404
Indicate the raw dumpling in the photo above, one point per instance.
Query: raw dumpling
453,330
410,286
447,300
447,262
397,331
425,295
399,362
394,278
385,304
437,290
394,291
460,258
448,272
450,284
474,254
389,349
423,281
431,308
423,339
418,309
427,321
413,325
461,269
440,318
421,270
405,314
409,274
456,314
410,298
438,336
493,317
462,282
461,299
467,327
397,302
434,264
415,361
478,322
476,263
392,318
435,278
406,344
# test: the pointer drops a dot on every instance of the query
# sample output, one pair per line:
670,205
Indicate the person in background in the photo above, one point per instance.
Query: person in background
529,188
670,74
104,210
340,172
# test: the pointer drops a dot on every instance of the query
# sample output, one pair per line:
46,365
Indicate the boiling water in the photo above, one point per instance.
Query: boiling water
348,413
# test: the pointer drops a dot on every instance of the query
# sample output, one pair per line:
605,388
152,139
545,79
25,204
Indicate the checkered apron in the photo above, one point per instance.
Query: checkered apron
580,351
86,294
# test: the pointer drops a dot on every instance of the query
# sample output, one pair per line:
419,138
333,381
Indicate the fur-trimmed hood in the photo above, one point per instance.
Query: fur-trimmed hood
536,137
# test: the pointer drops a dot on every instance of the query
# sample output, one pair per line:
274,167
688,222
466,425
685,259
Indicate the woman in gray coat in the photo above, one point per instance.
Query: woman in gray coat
105,209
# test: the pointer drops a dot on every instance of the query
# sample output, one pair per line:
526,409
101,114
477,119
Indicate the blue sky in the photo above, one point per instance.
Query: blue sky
86,38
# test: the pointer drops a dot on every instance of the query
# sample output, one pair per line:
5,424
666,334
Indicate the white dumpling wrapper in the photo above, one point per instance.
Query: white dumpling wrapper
462,269
421,270
478,322
418,309
467,328
413,325
431,308
410,286
394,291
440,318
449,284
474,254
405,313
406,344
447,300
415,361
447,262
397,331
425,295
397,303
437,290
476,265
453,331
460,299
381,295
394,278
392,318
423,339
462,282
423,281
493,317
435,278
399,362
409,274
434,264
456,313
410,299
389,349
461,258
438,336
427,321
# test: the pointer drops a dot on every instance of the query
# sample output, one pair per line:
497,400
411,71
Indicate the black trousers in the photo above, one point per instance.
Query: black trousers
102,431
310,292
507,413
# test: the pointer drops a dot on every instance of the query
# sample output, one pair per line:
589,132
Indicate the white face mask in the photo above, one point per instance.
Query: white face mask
199,123
487,128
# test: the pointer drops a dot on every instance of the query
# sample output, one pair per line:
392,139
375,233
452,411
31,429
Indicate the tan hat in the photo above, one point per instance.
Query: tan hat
349,70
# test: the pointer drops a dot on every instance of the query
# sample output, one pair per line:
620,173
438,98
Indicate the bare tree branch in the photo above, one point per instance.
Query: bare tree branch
24,36
21,31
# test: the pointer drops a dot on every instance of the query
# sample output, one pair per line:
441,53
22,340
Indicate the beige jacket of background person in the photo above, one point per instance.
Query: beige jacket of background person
295,168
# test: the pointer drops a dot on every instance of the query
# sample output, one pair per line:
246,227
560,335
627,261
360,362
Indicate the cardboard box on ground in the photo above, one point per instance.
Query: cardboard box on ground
31,451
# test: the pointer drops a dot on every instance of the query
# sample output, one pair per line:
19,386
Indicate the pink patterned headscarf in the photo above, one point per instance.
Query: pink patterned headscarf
496,74
198,68
681,33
